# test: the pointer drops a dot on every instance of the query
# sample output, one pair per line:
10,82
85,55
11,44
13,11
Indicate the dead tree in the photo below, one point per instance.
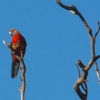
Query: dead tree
22,70
81,81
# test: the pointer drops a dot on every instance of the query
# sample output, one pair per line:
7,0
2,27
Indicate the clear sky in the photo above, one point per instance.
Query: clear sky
56,39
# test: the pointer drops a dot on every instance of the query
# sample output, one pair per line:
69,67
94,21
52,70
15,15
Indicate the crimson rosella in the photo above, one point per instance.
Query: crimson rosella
18,44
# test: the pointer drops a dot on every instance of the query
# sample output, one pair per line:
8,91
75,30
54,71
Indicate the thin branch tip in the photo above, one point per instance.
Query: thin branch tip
98,23
4,42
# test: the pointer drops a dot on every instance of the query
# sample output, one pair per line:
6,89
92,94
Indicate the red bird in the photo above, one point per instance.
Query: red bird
18,44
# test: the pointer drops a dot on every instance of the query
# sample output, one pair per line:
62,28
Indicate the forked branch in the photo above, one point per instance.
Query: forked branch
81,81
22,70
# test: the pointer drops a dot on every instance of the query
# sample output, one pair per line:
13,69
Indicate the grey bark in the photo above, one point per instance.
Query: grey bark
81,81
22,70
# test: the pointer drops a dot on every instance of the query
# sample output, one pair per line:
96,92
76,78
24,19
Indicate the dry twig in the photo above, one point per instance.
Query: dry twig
22,70
97,71
83,79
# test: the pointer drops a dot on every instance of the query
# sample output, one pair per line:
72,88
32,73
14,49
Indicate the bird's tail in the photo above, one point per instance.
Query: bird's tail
14,69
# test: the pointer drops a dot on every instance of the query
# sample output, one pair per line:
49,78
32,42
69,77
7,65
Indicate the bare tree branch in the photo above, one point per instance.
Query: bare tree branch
97,72
97,29
82,84
22,70
81,81
75,11
82,66
79,74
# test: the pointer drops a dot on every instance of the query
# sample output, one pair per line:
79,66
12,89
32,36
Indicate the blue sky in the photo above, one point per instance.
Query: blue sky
56,39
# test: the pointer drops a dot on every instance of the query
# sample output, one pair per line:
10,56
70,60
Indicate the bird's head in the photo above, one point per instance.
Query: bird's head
13,31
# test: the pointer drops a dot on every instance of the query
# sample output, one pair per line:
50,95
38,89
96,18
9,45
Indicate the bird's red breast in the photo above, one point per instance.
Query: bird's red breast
18,44
17,41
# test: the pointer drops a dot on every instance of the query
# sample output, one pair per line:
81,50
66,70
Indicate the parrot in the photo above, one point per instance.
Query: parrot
18,45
